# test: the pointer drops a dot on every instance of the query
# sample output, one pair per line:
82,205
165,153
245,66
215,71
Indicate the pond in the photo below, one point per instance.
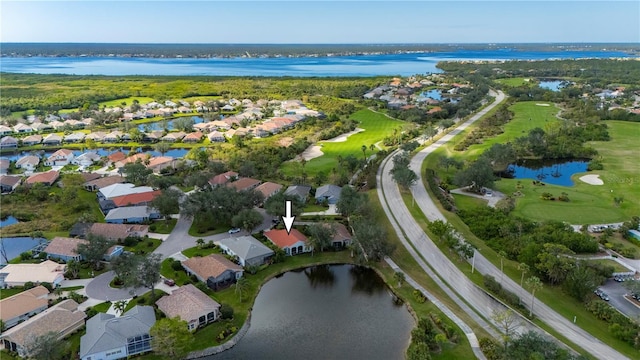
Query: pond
556,172
14,246
325,312
158,125
553,85
176,153
10,220
434,94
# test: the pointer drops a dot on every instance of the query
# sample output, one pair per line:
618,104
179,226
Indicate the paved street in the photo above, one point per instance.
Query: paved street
99,289
398,213
616,292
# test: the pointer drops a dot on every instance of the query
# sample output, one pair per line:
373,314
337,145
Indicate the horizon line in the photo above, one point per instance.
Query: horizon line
346,43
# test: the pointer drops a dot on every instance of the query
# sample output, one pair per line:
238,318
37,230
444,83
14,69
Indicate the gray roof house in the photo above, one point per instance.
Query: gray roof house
329,193
131,215
110,337
8,142
249,250
301,191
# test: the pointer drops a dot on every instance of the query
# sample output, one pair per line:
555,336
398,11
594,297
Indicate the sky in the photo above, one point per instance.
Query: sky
303,21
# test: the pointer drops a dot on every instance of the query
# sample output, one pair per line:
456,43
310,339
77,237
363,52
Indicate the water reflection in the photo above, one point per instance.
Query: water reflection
320,275
557,172
364,282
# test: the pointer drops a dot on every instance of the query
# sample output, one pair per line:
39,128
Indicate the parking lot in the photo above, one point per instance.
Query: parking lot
616,292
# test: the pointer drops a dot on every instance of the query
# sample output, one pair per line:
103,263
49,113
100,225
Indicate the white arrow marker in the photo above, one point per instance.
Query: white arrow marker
287,218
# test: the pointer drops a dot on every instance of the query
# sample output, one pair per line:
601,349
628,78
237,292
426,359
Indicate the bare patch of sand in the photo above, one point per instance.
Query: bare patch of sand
543,105
285,141
309,153
343,137
592,179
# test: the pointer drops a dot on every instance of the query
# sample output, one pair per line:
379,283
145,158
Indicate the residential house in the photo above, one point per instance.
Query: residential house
223,125
63,319
328,193
204,126
74,124
112,137
228,108
341,236
46,178
268,189
52,139
131,215
96,136
66,249
118,232
57,125
115,157
22,306
152,137
137,199
109,337
9,183
8,142
293,243
115,190
300,191
102,182
28,163
22,128
230,133
19,274
61,157
193,137
157,164
75,137
215,270
216,136
5,130
32,140
86,159
140,157
4,166
244,184
174,136
248,250
191,305
223,178
80,230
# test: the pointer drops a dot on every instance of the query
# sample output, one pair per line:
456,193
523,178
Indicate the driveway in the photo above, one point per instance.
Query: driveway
99,289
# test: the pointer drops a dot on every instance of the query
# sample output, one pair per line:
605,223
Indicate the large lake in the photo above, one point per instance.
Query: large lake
325,312
364,65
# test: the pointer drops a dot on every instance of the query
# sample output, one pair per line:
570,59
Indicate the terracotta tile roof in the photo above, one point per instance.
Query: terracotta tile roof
134,158
160,160
187,302
210,266
195,136
135,199
244,184
23,303
268,188
64,246
223,178
281,239
118,231
48,177
117,156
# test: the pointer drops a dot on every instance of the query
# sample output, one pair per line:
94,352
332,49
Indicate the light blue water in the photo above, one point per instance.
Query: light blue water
553,85
365,65
10,220
548,171
14,246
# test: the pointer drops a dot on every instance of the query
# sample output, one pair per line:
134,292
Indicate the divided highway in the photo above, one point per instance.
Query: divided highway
406,225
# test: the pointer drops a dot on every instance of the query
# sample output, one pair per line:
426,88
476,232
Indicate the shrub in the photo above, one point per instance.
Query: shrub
176,265
226,312
29,285
25,255
142,301
419,296
152,227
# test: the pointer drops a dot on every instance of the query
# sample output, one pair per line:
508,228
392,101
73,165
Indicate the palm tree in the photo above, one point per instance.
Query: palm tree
119,306
200,243
399,277
242,285
525,269
502,255
535,284
372,147
364,152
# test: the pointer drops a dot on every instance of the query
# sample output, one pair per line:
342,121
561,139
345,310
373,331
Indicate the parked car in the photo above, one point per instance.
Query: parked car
234,230
169,282
604,297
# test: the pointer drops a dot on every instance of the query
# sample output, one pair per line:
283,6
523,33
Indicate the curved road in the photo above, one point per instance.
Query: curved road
397,212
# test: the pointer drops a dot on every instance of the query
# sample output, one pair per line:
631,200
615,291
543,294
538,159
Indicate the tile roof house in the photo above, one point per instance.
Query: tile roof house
268,189
63,319
5,130
22,128
61,157
86,159
194,137
102,182
137,199
4,166
159,163
216,136
8,142
244,184
301,191
249,250
140,157
75,137
21,306
52,139
116,157
65,249
329,193
9,183
293,243
96,136
173,136
111,337
116,232
19,274
46,178
29,162
131,215
191,305
341,237
32,140
215,270
115,190
223,178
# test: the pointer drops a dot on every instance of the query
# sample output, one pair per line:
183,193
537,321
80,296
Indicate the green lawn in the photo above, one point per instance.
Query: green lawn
144,246
515,82
527,116
195,251
102,307
5,293
118,102
376,126
163,226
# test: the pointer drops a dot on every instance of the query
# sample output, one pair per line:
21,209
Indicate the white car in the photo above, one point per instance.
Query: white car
234,230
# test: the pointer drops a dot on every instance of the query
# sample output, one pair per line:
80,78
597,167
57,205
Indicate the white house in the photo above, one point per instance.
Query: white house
28,163
61,157
86,159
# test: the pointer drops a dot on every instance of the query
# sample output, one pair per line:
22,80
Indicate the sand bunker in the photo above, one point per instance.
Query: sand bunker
343,137
592,179
311,152
543,105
